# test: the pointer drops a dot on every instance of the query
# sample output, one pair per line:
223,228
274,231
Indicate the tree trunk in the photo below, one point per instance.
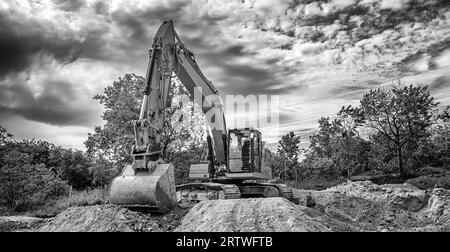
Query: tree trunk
400,162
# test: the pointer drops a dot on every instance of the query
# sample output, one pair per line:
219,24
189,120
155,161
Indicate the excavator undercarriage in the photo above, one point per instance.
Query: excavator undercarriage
234,190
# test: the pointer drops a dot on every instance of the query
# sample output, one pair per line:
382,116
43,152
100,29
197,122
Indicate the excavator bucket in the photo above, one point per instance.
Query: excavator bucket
143,190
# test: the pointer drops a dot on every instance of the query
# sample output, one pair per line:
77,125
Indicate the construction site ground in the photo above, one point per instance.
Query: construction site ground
350,206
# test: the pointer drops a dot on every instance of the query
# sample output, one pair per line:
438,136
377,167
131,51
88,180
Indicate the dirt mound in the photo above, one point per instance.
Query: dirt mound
365,206
248,215
13,223
440,180
109,218
350,206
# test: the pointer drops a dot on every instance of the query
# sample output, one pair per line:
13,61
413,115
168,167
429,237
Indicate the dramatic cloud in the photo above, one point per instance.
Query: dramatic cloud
317,55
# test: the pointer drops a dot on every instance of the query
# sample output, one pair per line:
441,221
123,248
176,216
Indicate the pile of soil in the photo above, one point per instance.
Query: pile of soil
110,218
249,215
438,180
350,206
14,223
365,206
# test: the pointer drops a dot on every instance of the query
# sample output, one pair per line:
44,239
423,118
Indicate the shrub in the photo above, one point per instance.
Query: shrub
102,172
23,184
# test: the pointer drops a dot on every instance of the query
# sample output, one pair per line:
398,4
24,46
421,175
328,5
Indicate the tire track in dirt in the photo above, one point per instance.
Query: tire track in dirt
257,215
233,217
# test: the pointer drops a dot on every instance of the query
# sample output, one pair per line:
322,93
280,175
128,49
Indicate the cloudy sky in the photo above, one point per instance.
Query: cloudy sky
55,55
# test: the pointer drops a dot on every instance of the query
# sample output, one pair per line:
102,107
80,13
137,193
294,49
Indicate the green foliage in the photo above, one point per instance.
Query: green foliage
74,168
182,160
319,168
434,150
402,131
321,142
23,183
338,141
122,104
285,164
401,114
4,135
102,172
35,172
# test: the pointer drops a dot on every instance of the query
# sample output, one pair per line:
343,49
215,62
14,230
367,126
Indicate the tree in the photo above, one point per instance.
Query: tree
288,151
435,149
337,147
4,135
74,168
350,150
402,115
321,142
102,172
22,182
122,102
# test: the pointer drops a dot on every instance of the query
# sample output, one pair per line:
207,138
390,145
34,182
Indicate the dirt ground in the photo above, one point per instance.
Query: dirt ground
11,223
365,206
350,206
439,180
109,218
248,215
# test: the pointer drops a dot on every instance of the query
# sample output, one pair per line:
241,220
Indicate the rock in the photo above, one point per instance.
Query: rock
310,201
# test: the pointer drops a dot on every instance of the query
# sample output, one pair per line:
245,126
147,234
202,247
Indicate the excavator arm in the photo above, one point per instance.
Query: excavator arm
169,55
207,96
149,182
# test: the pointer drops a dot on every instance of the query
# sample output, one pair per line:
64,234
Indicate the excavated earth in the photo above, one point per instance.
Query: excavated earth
248,215
351,206
109,218
364,206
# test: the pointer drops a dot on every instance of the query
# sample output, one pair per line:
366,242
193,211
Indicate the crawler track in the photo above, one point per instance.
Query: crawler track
214,191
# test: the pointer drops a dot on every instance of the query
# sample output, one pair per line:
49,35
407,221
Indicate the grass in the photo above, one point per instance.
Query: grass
314,183
52,208
431,181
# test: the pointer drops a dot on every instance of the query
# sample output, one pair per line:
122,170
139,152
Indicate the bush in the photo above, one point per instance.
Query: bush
320,167
102,172
24,186
182,162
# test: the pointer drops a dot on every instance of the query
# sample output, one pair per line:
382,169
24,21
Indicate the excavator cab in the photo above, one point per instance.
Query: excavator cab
246,159
244,151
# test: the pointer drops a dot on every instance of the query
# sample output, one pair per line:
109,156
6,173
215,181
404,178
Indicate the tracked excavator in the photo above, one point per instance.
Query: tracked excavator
237,164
